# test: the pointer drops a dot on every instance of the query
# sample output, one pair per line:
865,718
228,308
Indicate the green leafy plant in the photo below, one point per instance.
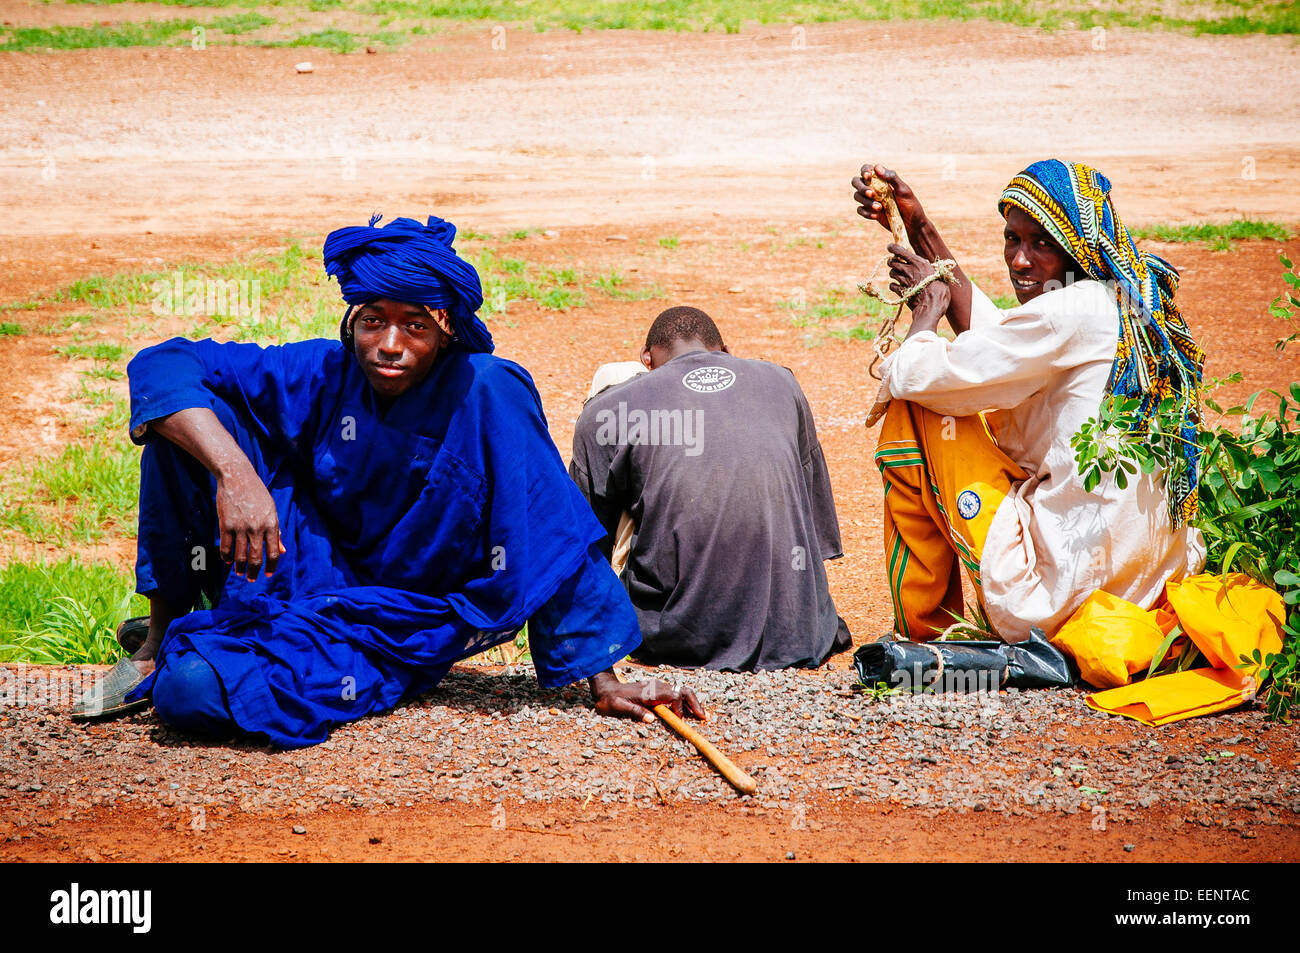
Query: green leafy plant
1285,306
1249,496
877,692
973,628
64,613
1162,663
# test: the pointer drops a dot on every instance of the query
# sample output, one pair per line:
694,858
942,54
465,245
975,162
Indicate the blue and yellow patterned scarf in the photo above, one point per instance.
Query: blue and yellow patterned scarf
1155,357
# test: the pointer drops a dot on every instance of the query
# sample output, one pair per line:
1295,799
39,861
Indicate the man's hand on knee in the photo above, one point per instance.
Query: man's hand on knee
250,527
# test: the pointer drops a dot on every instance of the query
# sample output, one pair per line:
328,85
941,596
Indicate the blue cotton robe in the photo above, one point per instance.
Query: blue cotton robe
416,535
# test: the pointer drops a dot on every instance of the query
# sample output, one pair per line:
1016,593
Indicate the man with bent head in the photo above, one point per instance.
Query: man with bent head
391,503
715,459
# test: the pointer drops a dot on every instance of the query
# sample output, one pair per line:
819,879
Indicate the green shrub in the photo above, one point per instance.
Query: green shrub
1249,493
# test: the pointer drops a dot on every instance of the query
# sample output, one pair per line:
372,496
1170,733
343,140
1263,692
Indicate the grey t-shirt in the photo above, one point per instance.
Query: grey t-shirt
716,459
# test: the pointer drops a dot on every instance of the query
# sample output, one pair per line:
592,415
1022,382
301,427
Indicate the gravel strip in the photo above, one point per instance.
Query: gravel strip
487,736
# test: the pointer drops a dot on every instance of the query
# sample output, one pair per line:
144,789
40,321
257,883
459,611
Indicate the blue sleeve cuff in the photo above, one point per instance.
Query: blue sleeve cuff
164,379
585,628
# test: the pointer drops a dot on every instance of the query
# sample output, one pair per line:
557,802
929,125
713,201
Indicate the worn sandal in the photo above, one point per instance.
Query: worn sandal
107,698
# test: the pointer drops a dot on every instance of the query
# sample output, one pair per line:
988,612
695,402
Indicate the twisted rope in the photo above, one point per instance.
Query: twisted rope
887,338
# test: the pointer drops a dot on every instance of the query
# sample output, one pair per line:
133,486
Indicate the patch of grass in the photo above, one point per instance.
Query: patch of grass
67,322
520,234
30,522
130,289
859,332
188,3
292,275
393,39
830,304
20,306
1285,20
422,17
104,373
612,285
145,33
668,241
1218,236
8,329
64,613
101,480
90,489
240,23
114,418
333,39
1213,16
515,279
561,299
101,351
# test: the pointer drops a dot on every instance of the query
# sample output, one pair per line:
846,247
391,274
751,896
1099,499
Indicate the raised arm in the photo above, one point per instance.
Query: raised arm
921,232
275,388
176,387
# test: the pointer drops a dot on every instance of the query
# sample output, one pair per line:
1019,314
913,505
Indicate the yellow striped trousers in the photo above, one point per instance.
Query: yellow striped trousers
944,479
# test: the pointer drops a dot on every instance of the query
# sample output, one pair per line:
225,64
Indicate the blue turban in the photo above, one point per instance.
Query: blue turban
407,261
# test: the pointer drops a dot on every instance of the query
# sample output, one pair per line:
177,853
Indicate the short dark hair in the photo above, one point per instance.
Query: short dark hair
683,324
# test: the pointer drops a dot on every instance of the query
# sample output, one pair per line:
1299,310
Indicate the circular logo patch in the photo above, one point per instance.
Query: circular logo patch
968,504
709,380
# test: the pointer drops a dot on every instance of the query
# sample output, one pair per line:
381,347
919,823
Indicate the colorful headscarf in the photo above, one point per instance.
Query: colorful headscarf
407,261
1155,357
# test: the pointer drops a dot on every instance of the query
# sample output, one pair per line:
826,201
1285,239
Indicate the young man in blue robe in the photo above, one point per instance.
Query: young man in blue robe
360,515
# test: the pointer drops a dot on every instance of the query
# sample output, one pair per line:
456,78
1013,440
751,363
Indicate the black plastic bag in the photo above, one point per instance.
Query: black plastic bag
964,666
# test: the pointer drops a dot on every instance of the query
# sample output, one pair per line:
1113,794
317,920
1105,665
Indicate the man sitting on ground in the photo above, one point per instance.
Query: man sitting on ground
391,503
715,460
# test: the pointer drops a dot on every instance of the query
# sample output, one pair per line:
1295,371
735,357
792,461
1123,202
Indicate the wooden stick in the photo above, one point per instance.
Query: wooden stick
885,195
739,780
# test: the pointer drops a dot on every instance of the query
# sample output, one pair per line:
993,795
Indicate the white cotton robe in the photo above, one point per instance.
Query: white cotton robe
1043,366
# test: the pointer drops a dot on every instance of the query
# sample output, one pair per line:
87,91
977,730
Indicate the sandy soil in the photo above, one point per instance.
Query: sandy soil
564,129
121,159
835,831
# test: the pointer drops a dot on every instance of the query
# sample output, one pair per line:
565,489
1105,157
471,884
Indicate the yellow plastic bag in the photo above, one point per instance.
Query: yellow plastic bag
1111,639
1227,617
1179,695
